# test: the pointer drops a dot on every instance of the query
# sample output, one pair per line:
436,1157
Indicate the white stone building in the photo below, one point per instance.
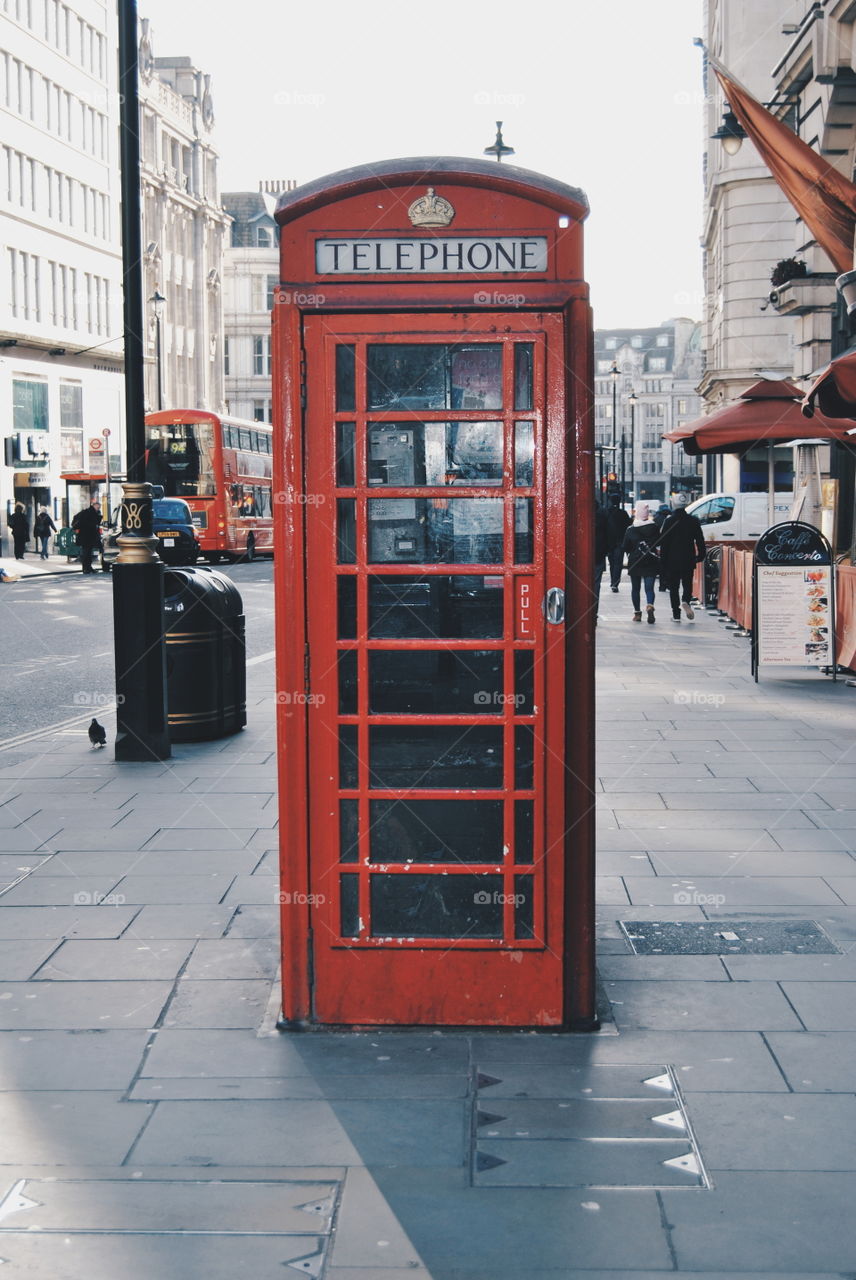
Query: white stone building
661,367
250,279
184,233
60,253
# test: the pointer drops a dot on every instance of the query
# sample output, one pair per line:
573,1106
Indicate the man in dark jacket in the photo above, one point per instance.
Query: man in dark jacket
643,561
682,547
19,526
617,521
87,526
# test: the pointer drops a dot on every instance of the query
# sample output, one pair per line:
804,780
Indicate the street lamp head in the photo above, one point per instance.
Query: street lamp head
730,133
615,372
158,302
632,398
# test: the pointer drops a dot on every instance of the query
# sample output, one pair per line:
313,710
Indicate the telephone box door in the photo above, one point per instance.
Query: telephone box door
434,484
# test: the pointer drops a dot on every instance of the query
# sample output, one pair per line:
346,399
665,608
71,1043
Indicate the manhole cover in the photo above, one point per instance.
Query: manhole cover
727,937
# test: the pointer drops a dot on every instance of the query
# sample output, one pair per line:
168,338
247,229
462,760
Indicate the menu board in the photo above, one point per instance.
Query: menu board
794,612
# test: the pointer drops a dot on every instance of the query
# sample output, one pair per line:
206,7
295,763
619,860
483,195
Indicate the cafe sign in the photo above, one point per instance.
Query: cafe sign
793,599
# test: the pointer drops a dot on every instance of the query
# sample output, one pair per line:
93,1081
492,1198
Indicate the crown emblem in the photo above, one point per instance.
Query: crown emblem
430,210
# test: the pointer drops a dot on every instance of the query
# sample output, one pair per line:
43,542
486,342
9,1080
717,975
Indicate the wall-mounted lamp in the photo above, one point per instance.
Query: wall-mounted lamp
730,133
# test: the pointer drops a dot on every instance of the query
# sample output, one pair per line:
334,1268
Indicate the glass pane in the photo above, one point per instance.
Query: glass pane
436,755
524,533
435,453
349,830
348,773
345,466
524,682
524,907
435,681
524,826
523,353
346,394
435,530
346,592
441,607
524,454
524,757
348,682
346,530
436,831
434,376
436,906
349,906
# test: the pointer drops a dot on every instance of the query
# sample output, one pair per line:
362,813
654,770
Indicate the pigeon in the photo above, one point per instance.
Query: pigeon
97,734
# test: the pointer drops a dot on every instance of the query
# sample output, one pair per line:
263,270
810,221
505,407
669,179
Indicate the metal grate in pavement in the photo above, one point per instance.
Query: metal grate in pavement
727,937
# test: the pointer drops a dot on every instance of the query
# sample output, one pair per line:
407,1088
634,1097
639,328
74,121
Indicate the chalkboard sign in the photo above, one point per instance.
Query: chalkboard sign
792,543
793,602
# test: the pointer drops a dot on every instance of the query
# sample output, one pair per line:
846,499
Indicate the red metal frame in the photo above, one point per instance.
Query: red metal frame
548,981
226,534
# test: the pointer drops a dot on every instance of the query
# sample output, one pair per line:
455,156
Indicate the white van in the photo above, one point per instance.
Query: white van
738,516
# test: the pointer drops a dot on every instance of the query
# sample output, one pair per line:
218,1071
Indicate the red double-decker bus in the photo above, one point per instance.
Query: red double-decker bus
222,468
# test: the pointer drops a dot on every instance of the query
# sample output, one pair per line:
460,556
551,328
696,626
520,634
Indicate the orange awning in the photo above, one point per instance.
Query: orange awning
834,391
767,413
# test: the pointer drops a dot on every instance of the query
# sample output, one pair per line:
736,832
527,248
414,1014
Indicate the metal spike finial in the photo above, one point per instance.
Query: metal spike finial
499,149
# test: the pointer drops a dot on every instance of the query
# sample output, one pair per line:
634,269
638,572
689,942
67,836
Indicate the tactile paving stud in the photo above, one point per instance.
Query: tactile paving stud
672,1119
687,1163
660,1082
310,1265
323,1208
15,1200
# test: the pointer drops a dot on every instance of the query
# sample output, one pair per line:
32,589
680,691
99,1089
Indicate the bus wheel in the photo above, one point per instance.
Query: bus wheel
250,555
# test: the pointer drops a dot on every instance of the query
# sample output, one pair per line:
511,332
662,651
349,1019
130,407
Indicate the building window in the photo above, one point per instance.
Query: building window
259,411
261,355
636,340
662,339
270,294
29,405
264,237
682,406
611,344
657,364
226,357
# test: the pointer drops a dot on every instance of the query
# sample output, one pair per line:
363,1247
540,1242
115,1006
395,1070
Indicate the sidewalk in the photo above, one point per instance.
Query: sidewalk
32,566
154,1123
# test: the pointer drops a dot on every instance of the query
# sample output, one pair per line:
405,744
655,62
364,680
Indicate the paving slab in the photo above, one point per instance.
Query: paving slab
700,1006
174,889
125,958
70,1060
106,920
81,1006
234,1003
822,1006
816,1062
785,1132
235,958
186,921
57,1127
798,1221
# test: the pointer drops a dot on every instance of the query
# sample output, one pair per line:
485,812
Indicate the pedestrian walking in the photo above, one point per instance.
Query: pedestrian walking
617,521
42,526
682,547
20,529
643,561
87,527
601,550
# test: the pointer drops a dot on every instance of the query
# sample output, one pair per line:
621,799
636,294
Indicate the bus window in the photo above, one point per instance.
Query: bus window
227,438
245,438
179,456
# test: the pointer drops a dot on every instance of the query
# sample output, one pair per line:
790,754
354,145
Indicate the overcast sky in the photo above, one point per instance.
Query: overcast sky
606,97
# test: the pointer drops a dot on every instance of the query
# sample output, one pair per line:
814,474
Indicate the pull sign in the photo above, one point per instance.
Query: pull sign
525,609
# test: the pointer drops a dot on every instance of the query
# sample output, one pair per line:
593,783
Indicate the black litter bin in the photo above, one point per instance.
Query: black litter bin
206,656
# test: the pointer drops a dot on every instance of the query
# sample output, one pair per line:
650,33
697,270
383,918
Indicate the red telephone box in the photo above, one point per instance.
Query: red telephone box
434,593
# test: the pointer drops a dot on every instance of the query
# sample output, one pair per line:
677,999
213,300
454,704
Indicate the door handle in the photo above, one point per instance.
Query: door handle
554,605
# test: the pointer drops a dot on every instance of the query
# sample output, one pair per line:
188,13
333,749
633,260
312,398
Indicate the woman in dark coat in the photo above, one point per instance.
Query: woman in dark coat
643,562
20,527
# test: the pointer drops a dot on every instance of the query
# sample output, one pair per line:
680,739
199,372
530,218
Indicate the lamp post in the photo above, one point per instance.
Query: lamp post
158,302
632,400
142,729
615,374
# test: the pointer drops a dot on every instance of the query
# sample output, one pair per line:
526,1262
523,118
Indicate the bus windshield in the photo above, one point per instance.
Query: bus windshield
180,456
